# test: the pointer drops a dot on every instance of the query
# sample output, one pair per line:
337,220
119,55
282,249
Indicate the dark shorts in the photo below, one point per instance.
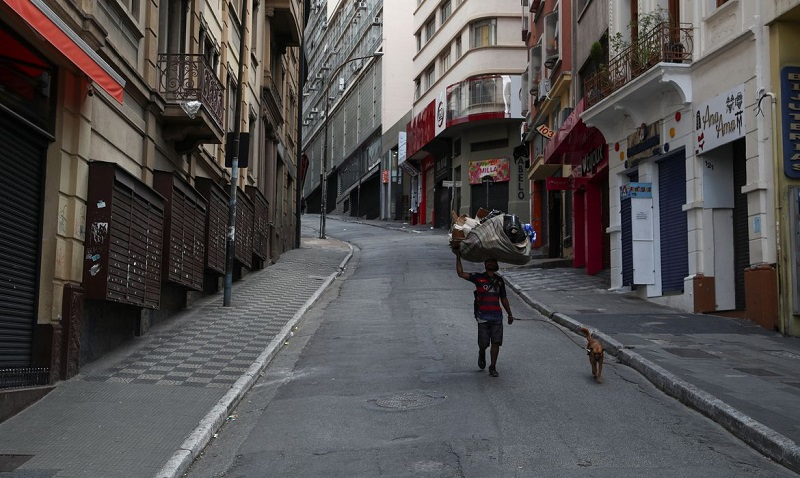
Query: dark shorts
490,332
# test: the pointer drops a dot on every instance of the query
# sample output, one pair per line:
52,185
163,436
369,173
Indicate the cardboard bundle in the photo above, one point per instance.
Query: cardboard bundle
483,238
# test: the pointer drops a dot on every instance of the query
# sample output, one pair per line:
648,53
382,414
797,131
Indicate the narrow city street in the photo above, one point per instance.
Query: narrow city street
380,378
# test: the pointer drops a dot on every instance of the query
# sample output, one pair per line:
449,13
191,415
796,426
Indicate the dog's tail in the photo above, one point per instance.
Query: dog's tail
586,332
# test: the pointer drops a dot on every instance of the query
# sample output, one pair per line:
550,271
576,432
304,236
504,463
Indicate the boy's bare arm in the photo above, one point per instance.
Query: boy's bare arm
460,268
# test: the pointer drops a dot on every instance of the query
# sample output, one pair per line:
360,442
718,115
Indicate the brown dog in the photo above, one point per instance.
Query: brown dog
596,353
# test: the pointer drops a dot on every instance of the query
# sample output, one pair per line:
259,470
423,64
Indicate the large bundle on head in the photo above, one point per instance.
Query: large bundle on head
497,236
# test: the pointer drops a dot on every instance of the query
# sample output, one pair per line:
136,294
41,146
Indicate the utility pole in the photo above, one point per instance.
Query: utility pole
230,242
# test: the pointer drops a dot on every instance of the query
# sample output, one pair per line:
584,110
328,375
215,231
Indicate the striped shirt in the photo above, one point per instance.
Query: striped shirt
488,292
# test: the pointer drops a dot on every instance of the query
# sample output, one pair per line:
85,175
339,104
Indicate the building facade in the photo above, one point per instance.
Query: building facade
467,113
342,107
684,115
117,117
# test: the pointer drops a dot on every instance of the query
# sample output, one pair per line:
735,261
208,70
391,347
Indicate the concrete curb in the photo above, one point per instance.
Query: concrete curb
765,440
197,440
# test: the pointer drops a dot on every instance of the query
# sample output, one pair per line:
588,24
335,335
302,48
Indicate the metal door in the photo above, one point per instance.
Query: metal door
21,178
673,230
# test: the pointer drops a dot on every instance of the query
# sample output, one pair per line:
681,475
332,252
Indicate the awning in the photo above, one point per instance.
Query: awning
52,29
573,140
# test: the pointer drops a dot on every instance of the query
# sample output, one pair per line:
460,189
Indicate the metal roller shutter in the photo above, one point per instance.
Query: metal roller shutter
627,241
741,248
673,230
498,197
21,176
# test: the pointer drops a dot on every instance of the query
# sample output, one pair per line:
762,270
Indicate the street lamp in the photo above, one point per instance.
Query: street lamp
324,173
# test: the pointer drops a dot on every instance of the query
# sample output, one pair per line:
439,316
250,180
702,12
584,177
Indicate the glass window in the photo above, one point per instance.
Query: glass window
446,10
430,77
458,48
430,29
419,41
445,59
484,33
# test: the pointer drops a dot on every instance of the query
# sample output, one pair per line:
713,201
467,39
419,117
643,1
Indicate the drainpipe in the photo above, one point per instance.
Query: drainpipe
762,80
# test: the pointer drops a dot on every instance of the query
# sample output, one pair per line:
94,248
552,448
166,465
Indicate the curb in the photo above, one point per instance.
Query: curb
197,440
762,438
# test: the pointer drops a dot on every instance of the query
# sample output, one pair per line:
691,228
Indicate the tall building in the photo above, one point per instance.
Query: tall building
695,103
342,107
465,126
116,118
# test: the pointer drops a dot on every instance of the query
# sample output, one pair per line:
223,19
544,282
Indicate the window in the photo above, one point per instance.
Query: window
445,60
419,41
484,33
417,89
721,2
430,29
430,77
133,7
446,10
458,48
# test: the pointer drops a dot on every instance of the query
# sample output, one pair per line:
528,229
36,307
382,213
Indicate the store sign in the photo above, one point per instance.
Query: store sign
720,120
636,190
790,97
557,184
385,176
545,131
592,160
644,143
498,169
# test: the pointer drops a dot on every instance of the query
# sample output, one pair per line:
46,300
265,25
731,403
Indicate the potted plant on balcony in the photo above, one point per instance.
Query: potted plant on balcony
645,48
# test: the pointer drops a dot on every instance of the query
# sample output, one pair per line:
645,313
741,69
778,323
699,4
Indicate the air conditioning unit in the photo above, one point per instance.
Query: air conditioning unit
361,5
544,87
342,84
315,110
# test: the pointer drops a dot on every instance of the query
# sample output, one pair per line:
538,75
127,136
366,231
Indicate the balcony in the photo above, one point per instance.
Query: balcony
663,44
285,23
194,111
483,97
271,101
655,70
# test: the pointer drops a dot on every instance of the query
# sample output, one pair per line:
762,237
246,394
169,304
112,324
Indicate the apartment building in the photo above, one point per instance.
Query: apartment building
116,117
342,107
694,102
467,113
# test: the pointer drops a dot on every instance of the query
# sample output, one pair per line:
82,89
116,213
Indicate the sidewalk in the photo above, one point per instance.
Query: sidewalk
740,375
126,414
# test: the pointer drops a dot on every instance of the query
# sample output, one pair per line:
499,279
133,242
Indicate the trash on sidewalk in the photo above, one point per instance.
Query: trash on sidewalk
491,235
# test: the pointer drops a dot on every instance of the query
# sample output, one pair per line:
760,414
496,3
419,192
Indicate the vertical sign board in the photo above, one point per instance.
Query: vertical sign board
790,106
441,113
644,267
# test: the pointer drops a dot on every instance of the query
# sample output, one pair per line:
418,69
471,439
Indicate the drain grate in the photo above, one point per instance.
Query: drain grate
12,462
406,401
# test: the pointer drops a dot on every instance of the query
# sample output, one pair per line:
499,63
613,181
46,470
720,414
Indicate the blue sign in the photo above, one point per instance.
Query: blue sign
790,97
636,190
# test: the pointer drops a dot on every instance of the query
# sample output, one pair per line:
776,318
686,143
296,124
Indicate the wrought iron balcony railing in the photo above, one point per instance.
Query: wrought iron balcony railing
185,77
662,44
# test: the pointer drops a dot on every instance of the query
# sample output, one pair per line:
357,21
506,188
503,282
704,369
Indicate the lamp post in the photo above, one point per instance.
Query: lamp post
230,240
324,173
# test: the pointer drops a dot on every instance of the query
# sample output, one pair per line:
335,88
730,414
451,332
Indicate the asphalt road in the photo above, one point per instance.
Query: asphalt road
381,379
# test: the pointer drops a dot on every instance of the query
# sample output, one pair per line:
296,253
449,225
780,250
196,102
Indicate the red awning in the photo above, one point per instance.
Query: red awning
47,24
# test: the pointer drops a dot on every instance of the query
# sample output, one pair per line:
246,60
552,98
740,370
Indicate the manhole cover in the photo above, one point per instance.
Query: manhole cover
690,353
406,401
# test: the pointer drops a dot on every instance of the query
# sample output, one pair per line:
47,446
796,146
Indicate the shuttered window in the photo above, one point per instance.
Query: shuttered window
216,223
260,223
124,229
244,230
184,231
